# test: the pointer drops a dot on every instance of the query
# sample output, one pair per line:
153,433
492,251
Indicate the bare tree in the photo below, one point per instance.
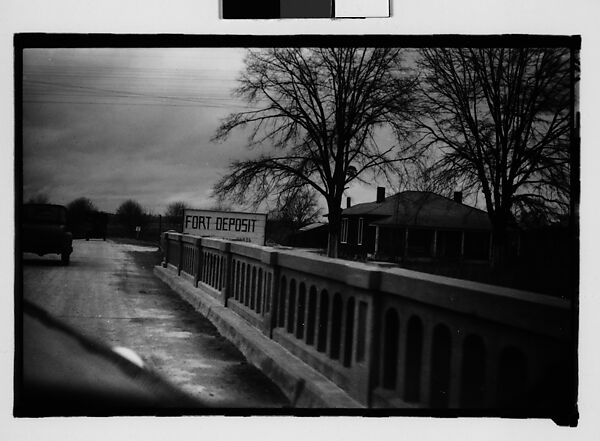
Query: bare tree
321,113
78,212
175,210
500,120
130,214
174,215
81,205
40,198
297,208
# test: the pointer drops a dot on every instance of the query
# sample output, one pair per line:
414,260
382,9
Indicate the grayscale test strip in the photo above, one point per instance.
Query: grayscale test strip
273,9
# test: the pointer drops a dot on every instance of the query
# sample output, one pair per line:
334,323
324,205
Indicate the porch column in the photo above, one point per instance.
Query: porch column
376,240
405,250
434,244
462,244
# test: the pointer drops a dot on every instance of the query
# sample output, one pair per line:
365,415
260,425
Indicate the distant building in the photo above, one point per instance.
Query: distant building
415,225
311,236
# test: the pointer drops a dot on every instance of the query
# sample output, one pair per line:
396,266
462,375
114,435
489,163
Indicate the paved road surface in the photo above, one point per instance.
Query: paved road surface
109,293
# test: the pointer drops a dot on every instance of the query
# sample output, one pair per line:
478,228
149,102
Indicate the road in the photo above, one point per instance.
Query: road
108,292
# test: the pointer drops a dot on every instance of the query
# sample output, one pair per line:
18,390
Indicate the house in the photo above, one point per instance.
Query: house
415,225
311,236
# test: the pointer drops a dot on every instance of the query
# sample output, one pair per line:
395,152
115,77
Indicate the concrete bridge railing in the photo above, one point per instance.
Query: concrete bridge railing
391,337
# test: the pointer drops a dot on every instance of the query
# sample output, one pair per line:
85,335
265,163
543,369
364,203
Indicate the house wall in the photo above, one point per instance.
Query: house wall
391,243
351,248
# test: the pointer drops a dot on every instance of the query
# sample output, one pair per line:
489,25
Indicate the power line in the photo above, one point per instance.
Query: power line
114,103
120,92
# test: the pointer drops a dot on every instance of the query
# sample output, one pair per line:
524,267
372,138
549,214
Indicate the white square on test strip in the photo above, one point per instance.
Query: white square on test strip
362,8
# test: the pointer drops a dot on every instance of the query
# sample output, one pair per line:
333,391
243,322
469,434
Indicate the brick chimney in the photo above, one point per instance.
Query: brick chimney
380,194
348,202
458,197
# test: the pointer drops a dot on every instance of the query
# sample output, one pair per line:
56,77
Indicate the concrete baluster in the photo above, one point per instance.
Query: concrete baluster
329,320
490,398
456,355
373,345
426,368
306,310
401,366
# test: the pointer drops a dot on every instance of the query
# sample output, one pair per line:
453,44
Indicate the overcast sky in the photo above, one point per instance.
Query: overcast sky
115,124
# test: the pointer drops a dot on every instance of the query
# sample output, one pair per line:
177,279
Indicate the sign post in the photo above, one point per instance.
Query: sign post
231,225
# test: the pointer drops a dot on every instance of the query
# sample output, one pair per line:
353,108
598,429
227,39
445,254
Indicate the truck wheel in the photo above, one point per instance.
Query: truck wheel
64,258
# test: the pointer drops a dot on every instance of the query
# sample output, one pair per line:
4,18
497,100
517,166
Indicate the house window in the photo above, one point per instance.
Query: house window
360,231
344,230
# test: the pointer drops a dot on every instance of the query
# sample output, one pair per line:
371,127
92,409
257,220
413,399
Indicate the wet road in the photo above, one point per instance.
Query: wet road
108,292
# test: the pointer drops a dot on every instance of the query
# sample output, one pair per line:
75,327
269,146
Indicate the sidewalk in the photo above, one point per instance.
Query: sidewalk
302,385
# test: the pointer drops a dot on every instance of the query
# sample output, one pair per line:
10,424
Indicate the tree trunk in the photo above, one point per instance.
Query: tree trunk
335,217
499,247
332,244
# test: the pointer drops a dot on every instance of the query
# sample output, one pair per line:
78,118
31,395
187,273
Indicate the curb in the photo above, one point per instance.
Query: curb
300,383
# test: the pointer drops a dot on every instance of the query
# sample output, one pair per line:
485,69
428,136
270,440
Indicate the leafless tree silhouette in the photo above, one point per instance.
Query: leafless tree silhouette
319,112
174,211
40,198
500,120
297,208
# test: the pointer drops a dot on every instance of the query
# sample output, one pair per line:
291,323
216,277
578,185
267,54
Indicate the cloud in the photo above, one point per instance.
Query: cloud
127,123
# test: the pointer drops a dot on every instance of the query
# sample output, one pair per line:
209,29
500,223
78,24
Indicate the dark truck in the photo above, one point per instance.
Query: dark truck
95,225
44,231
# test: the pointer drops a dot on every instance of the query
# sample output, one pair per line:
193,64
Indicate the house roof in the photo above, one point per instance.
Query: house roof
312,226
421,208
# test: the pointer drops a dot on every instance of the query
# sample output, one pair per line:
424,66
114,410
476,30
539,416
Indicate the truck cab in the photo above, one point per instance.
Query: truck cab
44,231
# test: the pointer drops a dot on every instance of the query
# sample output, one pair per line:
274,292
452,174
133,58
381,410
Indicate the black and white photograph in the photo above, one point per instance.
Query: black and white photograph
298,226
239,220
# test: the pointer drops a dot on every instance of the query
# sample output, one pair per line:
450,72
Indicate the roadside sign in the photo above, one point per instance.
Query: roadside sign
232,225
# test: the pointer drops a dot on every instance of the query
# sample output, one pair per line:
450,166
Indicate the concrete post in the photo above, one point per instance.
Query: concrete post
306,311
271,316
165,245
198,271
270,259
226,289
318,326
180,263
